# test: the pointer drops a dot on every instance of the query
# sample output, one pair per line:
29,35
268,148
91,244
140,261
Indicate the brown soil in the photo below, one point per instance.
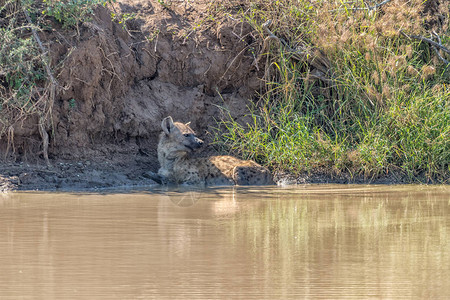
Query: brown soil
116,84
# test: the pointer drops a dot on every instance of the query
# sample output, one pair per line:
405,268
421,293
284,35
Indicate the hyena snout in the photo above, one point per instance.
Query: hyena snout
192,142
199,142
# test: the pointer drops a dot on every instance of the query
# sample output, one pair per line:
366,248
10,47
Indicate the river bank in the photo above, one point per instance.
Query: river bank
83,90
87,175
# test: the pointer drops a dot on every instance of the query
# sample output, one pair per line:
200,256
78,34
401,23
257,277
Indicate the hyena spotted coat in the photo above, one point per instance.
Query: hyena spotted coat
176,145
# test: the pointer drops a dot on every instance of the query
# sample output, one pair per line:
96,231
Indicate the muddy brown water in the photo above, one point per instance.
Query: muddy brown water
315,241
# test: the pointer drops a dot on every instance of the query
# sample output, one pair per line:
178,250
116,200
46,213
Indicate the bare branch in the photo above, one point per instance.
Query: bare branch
437,37
41,46
437,50
51,97
424,39
440,56
313,57
436,45
369,8
378,5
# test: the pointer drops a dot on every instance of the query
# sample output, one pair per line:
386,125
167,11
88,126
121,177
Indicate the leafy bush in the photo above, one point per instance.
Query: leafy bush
20,68
71,12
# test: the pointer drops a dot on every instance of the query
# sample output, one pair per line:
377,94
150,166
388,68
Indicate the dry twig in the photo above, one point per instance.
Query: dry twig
424,39
437,50
378,5
314,57
52,87
436,45
369,8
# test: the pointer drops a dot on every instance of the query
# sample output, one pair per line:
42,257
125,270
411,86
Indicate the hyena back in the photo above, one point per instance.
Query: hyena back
176,144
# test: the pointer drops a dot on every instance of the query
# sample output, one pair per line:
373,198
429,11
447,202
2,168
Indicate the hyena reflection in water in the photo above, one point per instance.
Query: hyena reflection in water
177,143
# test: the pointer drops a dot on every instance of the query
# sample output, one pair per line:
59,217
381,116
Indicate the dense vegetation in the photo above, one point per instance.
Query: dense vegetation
381,108
352,87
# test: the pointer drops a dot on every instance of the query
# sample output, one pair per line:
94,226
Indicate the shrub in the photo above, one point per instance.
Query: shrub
71,12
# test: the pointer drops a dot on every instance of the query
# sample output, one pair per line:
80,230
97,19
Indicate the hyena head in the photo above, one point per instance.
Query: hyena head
179,136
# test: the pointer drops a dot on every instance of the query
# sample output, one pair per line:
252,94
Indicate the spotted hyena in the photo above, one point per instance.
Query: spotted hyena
176,145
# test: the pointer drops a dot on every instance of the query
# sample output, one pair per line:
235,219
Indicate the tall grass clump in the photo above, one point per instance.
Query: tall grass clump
382,108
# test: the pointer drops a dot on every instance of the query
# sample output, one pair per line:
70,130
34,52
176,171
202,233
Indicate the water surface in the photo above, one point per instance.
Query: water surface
315,241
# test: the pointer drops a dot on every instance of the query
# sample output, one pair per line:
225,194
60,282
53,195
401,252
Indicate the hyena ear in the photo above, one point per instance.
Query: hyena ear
167,125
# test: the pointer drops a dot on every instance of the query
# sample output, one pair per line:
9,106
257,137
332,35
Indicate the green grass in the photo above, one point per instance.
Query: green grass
387,111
